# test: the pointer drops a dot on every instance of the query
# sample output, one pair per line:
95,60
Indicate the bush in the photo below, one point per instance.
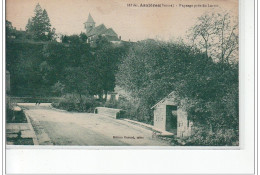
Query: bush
9,114
13,116
112,104
205,137
75,102
129,107
132,108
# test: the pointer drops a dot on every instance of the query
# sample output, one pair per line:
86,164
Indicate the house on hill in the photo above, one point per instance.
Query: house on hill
93,32
168,116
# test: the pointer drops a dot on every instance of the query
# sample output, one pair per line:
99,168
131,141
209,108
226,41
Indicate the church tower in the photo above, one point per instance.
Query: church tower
89,24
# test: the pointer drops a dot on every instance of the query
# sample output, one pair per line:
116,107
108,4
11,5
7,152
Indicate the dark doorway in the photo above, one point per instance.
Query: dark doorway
171,119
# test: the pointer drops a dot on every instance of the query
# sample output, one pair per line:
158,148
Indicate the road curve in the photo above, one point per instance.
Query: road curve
57,127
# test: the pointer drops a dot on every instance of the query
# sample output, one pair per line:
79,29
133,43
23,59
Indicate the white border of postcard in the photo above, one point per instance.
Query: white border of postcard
155,160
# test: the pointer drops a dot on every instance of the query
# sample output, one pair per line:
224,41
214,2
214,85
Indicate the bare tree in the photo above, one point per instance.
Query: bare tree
217,36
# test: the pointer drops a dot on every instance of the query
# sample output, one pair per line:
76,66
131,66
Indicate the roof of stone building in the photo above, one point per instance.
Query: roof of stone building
101,29
90,19
110,32
171,95
112,38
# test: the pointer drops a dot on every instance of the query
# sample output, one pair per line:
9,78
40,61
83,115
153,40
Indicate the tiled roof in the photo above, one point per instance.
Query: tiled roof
90,19
112,38
171,95
110,32
99,30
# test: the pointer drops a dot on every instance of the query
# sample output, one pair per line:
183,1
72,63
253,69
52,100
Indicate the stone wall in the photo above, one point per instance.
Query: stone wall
110,112
160,117
183,125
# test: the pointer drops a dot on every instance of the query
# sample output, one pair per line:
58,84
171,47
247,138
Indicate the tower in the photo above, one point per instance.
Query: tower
90,23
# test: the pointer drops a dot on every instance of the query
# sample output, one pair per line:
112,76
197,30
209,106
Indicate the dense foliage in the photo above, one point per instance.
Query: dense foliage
39,26
216,34
208,90
75,102
51,68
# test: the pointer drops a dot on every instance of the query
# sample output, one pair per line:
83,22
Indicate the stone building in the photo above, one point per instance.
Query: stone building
93,32
110,96
169,117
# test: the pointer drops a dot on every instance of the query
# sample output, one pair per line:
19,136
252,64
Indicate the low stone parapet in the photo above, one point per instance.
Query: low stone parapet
17,109
151,127
110,112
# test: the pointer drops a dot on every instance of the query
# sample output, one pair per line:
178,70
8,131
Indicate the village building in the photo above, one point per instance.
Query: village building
110,96
168,116
93,32
59,37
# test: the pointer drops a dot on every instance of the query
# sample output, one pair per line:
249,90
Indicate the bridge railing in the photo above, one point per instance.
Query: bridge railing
110,112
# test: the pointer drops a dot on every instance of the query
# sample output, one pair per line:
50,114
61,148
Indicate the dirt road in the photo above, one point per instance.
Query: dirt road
57,127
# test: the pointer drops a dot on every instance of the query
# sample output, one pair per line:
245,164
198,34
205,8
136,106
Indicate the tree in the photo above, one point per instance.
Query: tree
105,65
207,90
83,37
58,88
217,36
151,71
74,39
39,25
9,29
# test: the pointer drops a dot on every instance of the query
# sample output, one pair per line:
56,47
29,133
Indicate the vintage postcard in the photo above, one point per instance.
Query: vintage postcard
122,72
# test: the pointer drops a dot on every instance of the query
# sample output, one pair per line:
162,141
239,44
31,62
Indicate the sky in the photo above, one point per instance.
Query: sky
134,23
